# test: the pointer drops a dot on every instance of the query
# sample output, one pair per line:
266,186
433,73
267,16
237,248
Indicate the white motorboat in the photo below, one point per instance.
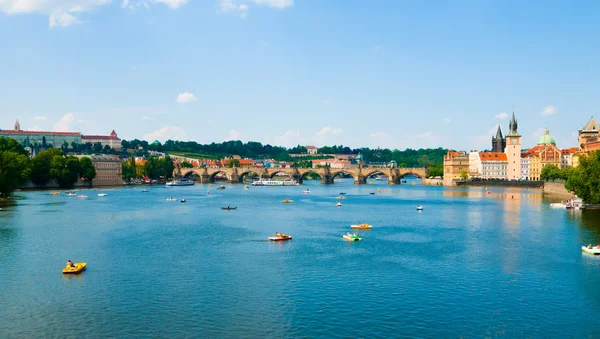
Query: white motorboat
339,204
419,208
171,199
595,250
82,196
306,191
275,183
558,205
102,194
180,182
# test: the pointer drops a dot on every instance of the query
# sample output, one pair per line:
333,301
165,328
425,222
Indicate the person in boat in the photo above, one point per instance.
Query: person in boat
590,246
355,234
277,235
348,234
70,264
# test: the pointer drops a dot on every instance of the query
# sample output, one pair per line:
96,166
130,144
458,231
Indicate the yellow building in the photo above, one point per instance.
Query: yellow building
545,153
454,164
589,137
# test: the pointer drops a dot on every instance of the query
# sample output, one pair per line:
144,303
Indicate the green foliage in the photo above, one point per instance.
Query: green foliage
233,162
156,168
436,171
185,164
40,165
11,145
464,174
87,170
303,164
584,179
14,170
550,172
65,170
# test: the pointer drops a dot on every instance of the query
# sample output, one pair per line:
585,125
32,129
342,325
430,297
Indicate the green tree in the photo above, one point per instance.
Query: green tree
97,147
464,175
233,162
87,170
14,166
550,172
40,165
168,167
65,170
436,171
584,180
185,164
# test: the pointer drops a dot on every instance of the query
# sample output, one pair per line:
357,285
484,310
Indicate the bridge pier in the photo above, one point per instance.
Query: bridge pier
327,179
360,180
298,177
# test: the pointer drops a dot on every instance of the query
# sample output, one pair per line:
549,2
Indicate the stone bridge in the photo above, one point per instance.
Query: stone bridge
327,174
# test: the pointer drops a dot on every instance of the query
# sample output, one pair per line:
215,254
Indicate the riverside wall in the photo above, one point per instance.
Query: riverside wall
556,188
29,185
521,184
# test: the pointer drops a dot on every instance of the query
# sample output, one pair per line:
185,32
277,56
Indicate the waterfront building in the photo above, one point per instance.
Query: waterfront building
35,141
498,142
493,165
589,139
108,170
111,140
513,151
454,164
475,165
524,166
543,154
566,156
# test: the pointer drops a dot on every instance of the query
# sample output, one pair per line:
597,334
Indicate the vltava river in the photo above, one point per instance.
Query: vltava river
469,265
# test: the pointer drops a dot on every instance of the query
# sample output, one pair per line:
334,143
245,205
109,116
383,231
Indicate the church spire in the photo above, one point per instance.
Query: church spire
499,133
512,126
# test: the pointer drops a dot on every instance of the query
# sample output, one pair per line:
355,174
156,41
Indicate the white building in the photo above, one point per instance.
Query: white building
524,167
112,140
475,170
312,150
566,157
493,165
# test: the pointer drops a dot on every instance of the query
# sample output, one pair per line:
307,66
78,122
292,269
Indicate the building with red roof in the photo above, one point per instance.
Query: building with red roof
111,140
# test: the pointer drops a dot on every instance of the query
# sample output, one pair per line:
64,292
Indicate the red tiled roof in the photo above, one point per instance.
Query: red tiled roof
492,156
311,147
7,131
246,162
100,137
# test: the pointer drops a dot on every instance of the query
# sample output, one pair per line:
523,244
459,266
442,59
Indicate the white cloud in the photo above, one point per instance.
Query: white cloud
288,139
378,48
63,20
233,135
549,110
535,136
501,116
64,124
329,131
238,7
62,13
145,117
446,120
186,97
327,135
382,139
166,133
40,118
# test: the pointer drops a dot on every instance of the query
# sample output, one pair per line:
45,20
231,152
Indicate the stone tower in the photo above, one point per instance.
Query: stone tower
17,125
513,151
498,142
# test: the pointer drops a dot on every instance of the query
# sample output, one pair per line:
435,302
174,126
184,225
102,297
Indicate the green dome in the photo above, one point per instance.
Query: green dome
546,139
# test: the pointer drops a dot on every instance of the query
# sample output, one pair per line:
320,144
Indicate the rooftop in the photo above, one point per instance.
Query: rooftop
493,156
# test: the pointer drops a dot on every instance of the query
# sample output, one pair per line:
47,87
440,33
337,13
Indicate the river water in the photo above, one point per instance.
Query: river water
469,265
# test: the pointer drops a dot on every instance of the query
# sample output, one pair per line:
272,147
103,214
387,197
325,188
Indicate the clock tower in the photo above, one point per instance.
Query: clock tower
513,151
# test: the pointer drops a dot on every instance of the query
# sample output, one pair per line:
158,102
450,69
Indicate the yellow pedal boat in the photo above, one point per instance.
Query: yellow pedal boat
79,267
288,201
361,227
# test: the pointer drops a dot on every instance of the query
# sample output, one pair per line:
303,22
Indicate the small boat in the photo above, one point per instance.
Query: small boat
183,200
180,182
594,250
79,267
342,193
339,204
371,183
245,187
208,192
361,227
229,208
82,196
306,191
55,193
340,197
102,194
372,193
351,237
71,194
419,208
171,199
281,237
145,191
558,205
379,190
221,187
287,201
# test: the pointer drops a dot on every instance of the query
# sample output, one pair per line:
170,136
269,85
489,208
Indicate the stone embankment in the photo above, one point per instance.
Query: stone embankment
550,187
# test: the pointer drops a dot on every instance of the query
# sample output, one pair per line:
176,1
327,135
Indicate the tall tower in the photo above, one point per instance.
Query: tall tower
498,142
513,151
17,125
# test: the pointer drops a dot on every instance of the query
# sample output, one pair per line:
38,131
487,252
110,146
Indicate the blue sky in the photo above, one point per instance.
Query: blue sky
360,73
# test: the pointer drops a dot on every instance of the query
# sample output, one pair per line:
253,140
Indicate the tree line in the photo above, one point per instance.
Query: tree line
153,168
408,158
16,167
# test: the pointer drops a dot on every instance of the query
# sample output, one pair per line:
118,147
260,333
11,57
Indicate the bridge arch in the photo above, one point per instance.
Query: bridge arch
304,174
273,174
337,174
249,173
214,174
372,173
